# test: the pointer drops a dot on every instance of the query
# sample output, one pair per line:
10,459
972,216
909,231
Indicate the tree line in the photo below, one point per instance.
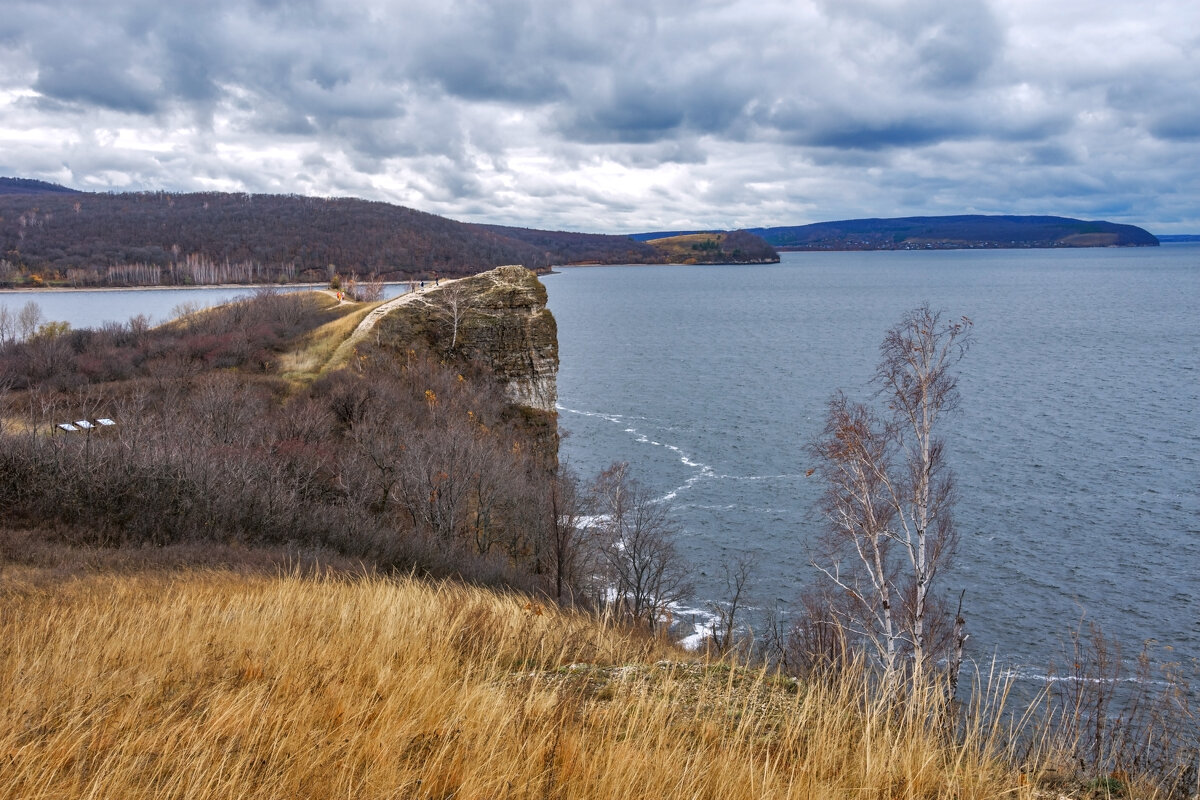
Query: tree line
144,238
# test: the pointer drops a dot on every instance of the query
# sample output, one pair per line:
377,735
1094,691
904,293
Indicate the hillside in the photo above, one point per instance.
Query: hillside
140,238
733,247
238,425
51,235
956,232
30,186
223,683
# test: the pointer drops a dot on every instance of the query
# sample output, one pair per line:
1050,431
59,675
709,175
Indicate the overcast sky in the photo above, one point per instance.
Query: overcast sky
620,116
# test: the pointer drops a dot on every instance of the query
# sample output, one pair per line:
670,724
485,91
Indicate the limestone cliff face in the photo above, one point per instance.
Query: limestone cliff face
498,318
503,321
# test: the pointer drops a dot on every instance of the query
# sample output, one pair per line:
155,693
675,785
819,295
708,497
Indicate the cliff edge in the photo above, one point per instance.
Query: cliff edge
497,319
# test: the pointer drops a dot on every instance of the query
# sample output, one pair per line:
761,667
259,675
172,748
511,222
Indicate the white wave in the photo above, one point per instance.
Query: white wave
1034,675
703,624
784,476
705,471
613,418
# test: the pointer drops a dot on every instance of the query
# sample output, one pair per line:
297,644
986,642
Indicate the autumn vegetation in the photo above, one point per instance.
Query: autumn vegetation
282,575
52,236
733,247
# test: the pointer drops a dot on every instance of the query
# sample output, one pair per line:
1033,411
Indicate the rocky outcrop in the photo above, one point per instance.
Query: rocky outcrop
502,320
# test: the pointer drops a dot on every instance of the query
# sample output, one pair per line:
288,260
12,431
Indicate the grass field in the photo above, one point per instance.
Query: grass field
201,683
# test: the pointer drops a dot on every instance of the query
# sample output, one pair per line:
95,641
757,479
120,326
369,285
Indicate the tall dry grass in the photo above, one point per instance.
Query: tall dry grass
213,684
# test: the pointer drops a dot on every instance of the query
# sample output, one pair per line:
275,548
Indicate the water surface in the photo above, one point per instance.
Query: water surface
1076,446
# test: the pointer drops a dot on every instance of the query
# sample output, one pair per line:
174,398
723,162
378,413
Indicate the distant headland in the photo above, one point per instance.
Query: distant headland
969,231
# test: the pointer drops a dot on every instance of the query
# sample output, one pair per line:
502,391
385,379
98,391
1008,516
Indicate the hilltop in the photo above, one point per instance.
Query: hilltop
956,232
734,247
31,186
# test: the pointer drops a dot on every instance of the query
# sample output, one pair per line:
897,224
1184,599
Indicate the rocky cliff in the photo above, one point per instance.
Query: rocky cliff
502,320
499,319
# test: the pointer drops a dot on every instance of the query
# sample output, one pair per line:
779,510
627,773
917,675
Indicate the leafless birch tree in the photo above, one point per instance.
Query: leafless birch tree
453,302
889,493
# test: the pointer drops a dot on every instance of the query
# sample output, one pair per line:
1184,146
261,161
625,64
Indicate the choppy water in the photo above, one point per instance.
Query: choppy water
1076,448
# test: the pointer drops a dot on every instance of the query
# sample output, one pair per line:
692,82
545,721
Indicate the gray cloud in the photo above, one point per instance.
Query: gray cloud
620,115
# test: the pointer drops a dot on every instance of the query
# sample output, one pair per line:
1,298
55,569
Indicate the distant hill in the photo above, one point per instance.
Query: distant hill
30,186
1172,238
733,247
565,247
956,232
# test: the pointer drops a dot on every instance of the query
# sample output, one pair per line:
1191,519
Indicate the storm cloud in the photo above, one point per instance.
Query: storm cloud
620,116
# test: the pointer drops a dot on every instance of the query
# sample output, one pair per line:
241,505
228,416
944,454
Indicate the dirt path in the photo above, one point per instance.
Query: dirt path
342,354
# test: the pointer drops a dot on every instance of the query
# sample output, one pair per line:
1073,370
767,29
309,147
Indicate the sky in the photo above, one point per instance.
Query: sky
624,115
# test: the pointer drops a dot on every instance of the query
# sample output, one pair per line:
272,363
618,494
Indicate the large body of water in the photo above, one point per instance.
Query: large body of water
1077,447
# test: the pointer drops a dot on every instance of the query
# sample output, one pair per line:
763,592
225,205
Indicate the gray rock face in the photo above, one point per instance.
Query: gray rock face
503,321
498,318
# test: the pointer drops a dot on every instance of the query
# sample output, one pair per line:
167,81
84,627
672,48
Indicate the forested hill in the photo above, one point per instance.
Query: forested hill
159,237
50,234
956,232
30,186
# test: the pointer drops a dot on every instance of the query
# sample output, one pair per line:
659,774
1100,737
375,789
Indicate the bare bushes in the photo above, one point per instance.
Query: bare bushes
369,290
634,569
244,334
410,465
1111,718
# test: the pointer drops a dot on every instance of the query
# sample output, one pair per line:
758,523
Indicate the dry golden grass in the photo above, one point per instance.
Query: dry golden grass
691,248
687,239
311,355
200,684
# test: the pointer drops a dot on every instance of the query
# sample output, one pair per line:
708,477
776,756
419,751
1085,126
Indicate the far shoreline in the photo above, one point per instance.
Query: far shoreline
160,288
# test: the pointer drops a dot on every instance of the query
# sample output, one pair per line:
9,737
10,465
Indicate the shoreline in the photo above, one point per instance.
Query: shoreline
247,286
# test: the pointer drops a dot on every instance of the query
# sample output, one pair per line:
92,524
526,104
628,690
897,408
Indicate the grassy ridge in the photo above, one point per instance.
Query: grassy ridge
725,247
215,684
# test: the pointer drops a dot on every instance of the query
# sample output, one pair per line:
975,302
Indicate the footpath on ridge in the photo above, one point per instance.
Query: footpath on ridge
342,354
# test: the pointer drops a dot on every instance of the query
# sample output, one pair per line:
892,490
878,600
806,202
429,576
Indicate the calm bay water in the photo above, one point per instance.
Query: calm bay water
1077,448
90,309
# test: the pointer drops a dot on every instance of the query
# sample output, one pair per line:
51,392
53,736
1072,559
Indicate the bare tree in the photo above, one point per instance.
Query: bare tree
453,302
737,581
563,510
636,543
889,492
